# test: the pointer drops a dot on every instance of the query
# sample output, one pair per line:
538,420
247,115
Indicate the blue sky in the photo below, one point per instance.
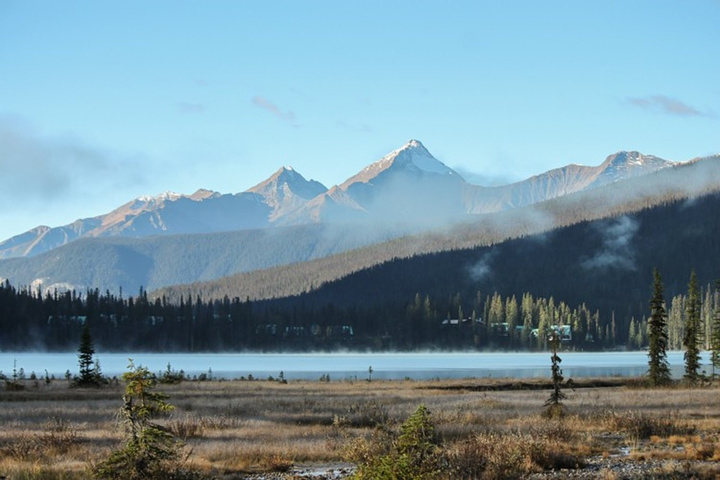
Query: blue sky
101,102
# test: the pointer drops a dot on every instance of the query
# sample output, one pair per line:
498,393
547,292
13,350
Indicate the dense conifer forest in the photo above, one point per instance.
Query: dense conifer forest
30,320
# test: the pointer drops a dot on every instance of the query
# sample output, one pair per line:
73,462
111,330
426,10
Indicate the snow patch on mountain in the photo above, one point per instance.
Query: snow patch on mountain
165,196
413,156
629,164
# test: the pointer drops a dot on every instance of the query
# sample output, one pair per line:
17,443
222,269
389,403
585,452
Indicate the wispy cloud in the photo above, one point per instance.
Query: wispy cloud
666,105
189,108
38,168
617,248
485,180
265,104
482,269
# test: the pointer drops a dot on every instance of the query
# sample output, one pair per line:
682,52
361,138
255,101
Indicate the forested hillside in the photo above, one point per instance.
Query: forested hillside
127,263
604,264
620,198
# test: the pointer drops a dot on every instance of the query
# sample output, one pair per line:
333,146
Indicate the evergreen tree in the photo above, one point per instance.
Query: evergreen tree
658,367
554,406
632,335
511,317
691,339
715,333
676,322
89,374
151,450
527,318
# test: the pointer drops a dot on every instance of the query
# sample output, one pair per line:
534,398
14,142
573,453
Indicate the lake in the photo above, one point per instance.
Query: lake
312,366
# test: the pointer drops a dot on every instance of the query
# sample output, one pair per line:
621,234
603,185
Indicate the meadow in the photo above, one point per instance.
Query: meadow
483,428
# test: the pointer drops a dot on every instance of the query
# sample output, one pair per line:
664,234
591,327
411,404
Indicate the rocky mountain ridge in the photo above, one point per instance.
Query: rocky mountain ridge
406,191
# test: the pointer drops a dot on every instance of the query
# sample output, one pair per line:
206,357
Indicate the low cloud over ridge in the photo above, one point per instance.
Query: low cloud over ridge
617,249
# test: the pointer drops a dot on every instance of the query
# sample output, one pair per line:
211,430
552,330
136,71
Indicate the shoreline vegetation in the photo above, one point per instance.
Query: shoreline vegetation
478,428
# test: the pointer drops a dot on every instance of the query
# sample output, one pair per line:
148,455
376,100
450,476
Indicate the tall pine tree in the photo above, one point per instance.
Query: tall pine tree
691,339
658,367
715,333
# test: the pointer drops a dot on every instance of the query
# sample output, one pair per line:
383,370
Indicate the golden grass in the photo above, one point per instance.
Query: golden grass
248,426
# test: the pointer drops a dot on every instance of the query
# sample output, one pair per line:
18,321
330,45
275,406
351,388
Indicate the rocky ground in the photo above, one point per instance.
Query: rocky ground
615,467
314,471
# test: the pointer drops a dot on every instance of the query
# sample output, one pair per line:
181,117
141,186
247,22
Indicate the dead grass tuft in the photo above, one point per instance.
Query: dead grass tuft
508,456
642,426
368,414
186,427
57,438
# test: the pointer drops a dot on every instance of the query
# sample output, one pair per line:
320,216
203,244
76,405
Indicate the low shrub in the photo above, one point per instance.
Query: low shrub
58,438
367,414
641,426
495,455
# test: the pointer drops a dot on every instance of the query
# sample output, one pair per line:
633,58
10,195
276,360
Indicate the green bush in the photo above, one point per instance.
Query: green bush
412,455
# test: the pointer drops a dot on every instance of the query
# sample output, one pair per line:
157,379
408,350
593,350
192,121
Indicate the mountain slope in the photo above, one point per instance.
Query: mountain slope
681,182
116,263
287,190
562,181
170,213
408,191
408,186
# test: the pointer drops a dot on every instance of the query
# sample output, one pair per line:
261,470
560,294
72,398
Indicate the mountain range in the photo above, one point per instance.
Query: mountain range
173,238
408,186
601,213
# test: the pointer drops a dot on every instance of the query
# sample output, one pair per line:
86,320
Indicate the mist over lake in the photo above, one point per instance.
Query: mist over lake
342,366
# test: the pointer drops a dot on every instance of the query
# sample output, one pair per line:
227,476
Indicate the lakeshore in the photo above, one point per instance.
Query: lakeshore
353,365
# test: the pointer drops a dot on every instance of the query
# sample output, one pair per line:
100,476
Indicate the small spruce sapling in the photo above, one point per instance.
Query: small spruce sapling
151,450
554,406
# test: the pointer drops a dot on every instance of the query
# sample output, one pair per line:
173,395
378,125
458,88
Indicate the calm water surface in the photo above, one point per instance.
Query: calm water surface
354,365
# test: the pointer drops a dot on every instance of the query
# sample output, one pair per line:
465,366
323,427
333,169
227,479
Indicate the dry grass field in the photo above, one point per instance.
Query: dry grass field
485,428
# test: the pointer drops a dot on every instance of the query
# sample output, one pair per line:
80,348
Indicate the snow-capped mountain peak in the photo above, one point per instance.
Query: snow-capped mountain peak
288,180
628,164
416,153
412,156
287,190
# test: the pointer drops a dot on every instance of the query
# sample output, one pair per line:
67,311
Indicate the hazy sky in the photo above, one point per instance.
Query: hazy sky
101,102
